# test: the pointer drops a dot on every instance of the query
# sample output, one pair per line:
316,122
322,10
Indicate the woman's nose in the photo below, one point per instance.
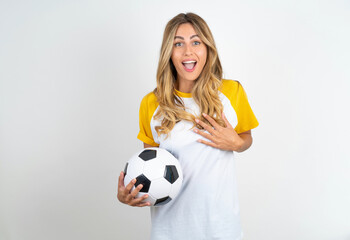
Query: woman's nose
188,49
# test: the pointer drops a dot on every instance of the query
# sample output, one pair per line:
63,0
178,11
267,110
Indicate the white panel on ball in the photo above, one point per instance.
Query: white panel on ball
154,169
138,165
150,199
160,188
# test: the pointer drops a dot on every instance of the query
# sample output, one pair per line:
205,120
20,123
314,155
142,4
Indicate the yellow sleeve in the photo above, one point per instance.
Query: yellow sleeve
147,108
239,101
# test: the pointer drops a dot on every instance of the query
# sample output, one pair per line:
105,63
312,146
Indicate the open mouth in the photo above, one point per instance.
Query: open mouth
189,65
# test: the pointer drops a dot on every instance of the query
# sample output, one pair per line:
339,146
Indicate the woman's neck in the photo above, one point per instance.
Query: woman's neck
184,86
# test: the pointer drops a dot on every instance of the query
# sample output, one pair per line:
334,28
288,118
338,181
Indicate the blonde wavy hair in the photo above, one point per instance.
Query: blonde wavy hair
205,89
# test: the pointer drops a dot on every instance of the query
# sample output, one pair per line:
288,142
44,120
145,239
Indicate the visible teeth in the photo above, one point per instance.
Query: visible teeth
189,65
189,62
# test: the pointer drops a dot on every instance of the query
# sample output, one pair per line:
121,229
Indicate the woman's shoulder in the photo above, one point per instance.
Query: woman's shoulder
230,86
149,96
150,100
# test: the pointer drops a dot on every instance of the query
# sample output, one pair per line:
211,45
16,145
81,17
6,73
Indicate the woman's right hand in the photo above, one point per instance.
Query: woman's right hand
126,196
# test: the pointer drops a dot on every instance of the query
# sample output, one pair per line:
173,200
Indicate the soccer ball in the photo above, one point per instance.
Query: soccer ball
158,171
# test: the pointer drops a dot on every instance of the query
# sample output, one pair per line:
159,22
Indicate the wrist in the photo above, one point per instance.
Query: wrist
240,145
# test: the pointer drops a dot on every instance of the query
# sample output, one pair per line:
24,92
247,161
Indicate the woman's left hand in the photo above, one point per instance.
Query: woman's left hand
225,138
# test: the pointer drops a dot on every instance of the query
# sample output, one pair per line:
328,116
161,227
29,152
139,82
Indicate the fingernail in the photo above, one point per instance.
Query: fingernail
195,130
204,114
197,121
134,180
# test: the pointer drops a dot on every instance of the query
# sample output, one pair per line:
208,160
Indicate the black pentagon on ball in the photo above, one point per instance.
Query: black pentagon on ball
170,173
126,168
162,201
148,155
142,179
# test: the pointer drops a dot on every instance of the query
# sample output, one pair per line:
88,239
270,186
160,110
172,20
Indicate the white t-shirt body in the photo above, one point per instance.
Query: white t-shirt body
207,206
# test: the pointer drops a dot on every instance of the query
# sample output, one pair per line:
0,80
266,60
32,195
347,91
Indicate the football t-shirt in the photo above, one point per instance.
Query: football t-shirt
207,205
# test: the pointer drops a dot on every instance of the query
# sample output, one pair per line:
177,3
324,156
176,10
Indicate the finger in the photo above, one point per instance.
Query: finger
204,134
129,186
205,126
226,121
212,121
121,180
208,143
143,204
136,190
138,201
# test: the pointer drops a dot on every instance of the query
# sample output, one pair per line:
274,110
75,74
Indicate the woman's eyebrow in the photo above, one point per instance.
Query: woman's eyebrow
184,39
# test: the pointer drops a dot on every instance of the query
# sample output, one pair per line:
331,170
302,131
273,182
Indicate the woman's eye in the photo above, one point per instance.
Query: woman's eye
196,43
177,44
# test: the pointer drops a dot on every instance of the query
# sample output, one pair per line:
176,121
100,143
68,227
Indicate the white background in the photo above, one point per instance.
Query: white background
73,73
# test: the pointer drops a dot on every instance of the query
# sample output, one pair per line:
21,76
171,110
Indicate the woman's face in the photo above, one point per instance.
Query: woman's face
189,53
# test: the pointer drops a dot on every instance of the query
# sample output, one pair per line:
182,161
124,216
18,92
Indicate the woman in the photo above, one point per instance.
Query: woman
202,120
